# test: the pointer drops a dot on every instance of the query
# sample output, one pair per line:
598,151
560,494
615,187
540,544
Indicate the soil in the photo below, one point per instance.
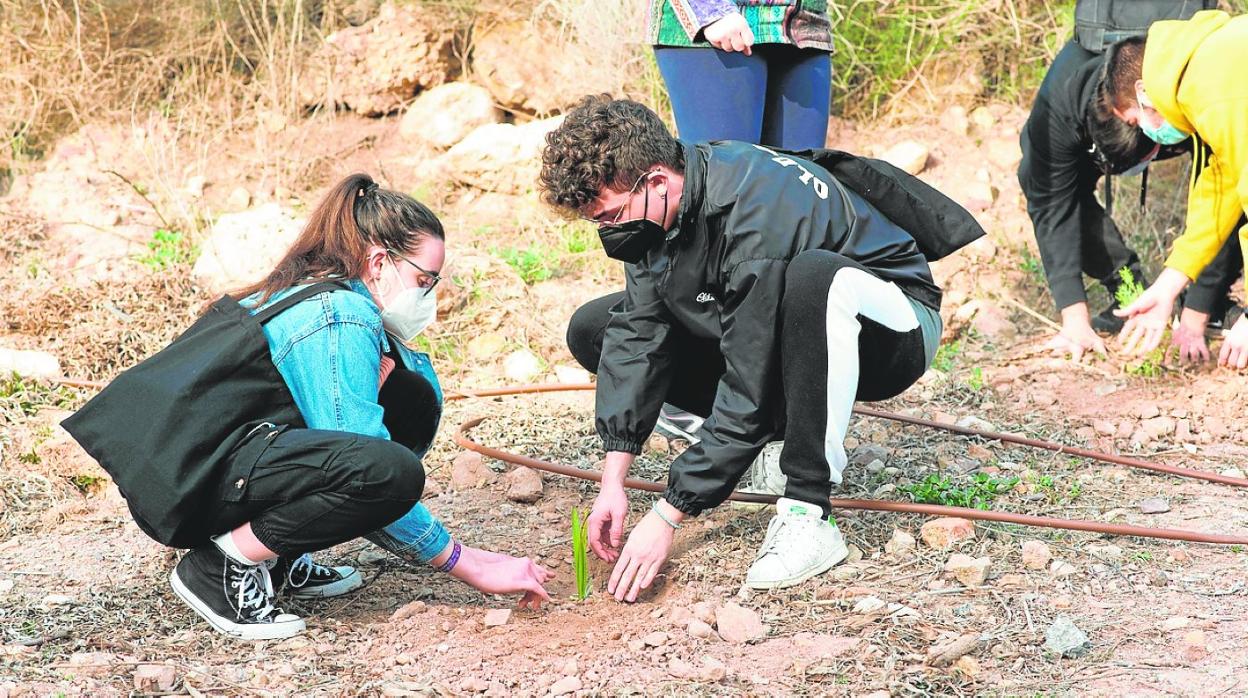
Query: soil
1163,618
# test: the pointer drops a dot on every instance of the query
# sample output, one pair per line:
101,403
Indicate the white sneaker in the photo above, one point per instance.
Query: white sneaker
765,475
800,544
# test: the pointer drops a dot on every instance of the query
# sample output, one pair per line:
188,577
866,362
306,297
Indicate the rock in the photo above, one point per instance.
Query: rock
1005,153
500,157
973,422
243,247
571,375
474,684
524,485
408,610
568,684
53,600
469,471
899,544
522,366
1194,646
238,200
6,585
1148,410
983,118
968,666
91,664
1104,427
868,453
681,669
1065,639
946,653
195,186
869,604
1175,622
699,629
1154,505
444,115
657,638
1061,568
946,532
704,611
1036,555
153,678
1107,552
514,61
1158,427
955,119
737,624
375,68
980,196
28,364
486,345
875,467
908,156
496,617
712,670
971,572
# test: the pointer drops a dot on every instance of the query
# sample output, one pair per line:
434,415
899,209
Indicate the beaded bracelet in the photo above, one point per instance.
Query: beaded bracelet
450,561
669,522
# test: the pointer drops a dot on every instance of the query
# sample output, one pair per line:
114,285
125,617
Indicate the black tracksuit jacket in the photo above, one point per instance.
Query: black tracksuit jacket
745,212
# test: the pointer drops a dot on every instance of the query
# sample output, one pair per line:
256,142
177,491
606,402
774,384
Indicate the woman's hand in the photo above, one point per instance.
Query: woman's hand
1149,316
730,33
1076,336
1189,336
644,554
1234,352
495,573
605,525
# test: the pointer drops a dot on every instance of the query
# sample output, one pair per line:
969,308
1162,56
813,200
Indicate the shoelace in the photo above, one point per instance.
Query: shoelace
782,544
255,591
310,569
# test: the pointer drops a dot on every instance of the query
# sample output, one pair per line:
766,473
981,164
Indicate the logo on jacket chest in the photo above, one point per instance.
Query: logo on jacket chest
705,297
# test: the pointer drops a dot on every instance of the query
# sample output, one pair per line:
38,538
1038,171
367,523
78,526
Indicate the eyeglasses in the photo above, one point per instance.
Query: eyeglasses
602,218
427,280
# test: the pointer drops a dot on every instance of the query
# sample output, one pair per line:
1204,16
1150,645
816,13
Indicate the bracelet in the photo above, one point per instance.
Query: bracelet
669,522
450,561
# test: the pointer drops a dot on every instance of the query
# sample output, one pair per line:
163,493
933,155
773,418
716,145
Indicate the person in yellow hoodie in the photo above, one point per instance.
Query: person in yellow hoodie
1183,79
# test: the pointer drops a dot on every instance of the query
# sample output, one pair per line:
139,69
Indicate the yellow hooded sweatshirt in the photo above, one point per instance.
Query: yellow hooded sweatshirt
1192,74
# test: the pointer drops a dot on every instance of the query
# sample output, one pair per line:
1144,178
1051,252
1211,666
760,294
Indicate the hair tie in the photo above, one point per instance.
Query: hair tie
367,189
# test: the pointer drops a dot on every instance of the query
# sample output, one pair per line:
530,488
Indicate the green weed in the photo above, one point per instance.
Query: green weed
947,356
580,554
85,483
168,248
976,381
1032,267
534,264
22,398
1126,294
977,494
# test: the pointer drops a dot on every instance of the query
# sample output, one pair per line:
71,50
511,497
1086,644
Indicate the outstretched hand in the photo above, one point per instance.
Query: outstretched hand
644,554
495,573
1148,317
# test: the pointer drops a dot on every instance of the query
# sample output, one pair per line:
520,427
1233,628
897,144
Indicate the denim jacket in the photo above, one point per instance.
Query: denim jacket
328,349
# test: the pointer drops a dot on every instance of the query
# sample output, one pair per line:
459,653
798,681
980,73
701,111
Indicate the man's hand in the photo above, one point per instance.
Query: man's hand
730,33
1189,337
605,525
1149,316
1077,335
646,551
1234,352
495,573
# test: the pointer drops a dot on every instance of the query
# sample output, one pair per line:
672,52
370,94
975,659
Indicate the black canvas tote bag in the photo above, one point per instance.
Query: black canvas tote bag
165,427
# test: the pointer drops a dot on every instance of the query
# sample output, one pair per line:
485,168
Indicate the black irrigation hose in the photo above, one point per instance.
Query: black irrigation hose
463,440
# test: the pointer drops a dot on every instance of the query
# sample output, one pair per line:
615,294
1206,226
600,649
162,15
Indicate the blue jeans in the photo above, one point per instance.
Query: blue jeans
779,96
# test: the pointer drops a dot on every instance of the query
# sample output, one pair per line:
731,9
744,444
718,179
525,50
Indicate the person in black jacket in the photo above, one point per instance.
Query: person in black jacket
760,293
1066,150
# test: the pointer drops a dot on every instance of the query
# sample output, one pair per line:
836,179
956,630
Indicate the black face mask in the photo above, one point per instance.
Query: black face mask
630,240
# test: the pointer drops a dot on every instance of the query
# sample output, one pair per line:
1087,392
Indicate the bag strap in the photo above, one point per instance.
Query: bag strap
302,294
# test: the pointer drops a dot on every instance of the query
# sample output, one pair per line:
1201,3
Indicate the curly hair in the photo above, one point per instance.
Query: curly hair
603,142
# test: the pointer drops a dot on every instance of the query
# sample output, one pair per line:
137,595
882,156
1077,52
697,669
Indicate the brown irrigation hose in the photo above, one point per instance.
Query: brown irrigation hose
463,440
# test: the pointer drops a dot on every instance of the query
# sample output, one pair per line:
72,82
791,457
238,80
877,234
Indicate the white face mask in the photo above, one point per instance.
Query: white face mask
410,312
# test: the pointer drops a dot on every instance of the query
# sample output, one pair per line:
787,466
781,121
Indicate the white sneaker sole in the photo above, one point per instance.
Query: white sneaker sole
242,631
346,585
839,553
672,431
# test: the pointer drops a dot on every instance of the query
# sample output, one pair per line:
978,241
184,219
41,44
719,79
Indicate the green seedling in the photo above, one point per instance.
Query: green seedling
976,381
1126,293
977,494
580,554
167,248
533,264
947,356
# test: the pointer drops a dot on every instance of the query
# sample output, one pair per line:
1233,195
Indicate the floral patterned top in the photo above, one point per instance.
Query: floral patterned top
803,23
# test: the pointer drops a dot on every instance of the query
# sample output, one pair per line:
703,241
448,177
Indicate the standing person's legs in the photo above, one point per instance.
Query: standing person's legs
845,334
1104,253
799,96
716,95
297,491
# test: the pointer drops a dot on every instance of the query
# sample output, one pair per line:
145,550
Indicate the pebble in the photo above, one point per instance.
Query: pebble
737,624
408,610
900,543
568,684
1065,639
153,678
699,629
1194,646
945,532
1036,555
704,611
496,617
971,572
1061,568
473,684
1154,505
869,604
657,638
524,485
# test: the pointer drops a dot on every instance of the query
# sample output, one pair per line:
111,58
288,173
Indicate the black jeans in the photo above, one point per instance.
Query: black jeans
845,334
305,490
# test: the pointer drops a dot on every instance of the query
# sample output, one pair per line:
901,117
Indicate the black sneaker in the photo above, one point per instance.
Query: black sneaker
1106,322
675,423
303,578
234,598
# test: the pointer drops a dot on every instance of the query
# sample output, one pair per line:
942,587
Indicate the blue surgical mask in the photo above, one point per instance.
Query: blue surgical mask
1166,133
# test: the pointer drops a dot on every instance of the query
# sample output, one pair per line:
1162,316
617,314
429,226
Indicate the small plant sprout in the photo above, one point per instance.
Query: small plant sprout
580,554
1126,293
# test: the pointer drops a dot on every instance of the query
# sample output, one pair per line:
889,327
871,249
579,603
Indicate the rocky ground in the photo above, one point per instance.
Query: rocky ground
922,608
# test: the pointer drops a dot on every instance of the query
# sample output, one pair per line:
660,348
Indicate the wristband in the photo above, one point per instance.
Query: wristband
669,522
450,561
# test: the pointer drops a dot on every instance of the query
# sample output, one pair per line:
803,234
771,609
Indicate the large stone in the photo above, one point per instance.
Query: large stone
28,364
376,68
524,485
243,247
946,532
970,571
153,678
496,617
909,156
500,157
568,684
900,544
444,115
515,61
1065,639
1036,555
469,471
522,366
737,624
